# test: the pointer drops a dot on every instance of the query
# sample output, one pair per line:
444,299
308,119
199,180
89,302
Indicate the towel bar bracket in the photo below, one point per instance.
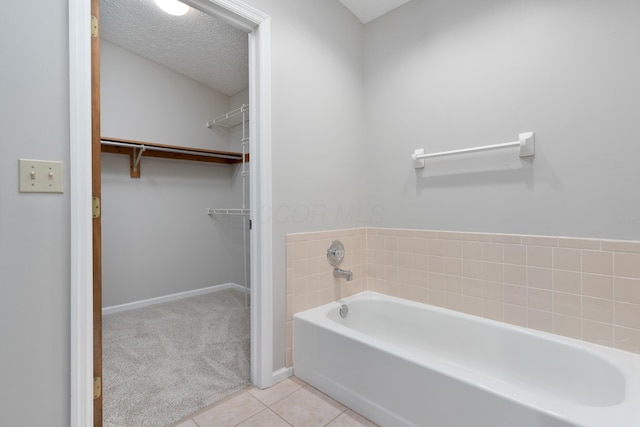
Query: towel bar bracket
417,162
527,144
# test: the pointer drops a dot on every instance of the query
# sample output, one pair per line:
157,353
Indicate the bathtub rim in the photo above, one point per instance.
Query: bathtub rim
626,362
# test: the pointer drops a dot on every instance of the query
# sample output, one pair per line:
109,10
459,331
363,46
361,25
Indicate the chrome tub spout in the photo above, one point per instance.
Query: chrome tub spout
345,274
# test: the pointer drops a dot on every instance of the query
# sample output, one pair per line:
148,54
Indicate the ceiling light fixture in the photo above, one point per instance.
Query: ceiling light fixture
173,7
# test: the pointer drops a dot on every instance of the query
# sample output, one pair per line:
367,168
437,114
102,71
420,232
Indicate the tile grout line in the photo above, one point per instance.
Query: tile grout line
337,416
266,408
287,395
192,417
278,415
613,298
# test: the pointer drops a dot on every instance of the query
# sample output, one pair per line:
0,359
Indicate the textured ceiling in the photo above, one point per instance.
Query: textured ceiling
197,45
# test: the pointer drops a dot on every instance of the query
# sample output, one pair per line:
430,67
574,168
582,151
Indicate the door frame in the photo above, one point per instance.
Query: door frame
258,26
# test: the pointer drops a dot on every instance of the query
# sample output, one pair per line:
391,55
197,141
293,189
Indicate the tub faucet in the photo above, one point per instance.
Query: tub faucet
345,274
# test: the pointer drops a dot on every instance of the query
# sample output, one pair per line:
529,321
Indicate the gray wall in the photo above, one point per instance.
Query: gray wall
142,100
456,76
442,75
317,120
317,123
34,228
157,238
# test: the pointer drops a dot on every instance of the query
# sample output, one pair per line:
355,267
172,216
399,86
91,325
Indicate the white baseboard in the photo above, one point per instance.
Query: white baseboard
282,374
172,297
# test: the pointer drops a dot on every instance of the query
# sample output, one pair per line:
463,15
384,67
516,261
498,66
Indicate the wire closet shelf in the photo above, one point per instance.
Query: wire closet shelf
239,116
241,212
232,118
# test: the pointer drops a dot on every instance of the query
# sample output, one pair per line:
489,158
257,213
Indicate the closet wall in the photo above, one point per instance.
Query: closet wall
157,238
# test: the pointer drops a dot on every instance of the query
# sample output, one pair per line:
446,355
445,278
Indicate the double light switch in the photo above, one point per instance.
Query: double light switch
38,176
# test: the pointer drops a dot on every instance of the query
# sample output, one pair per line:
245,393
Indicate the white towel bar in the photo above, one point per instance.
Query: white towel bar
526,142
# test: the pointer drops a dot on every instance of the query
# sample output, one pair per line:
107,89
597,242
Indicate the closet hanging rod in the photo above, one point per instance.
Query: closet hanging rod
526,142
224,119
145,147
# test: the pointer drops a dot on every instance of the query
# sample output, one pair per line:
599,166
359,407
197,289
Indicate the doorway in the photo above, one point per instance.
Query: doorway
175,282
258,27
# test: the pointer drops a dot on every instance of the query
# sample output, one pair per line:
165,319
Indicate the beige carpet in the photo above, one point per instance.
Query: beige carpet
166,361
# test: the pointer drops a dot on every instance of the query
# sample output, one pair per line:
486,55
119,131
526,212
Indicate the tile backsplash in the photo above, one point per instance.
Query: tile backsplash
587,289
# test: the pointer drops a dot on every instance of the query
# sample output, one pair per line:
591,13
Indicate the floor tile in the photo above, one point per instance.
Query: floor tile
266,418
351,419
308,407
273,394
231,412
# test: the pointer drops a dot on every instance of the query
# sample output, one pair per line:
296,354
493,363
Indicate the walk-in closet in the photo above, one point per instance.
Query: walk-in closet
175,212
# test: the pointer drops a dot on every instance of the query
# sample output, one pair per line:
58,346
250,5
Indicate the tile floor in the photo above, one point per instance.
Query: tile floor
291,402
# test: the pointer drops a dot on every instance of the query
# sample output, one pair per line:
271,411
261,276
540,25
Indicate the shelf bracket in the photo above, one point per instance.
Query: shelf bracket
136,155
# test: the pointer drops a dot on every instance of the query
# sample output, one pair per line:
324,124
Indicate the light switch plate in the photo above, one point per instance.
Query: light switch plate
39,176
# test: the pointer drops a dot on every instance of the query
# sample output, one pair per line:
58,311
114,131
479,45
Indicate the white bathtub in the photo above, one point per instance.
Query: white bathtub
402,363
